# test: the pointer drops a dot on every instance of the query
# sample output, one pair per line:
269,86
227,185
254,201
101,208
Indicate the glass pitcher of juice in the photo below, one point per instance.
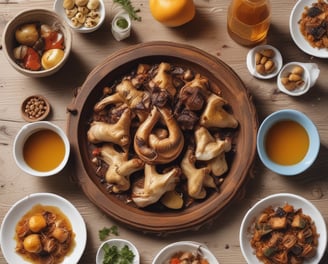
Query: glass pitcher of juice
248,21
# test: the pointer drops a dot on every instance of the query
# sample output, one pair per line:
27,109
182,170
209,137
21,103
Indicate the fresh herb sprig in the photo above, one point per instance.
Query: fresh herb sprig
106,231
128,7
114,255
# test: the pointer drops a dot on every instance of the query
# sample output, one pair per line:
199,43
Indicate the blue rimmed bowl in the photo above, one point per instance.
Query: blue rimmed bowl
314,142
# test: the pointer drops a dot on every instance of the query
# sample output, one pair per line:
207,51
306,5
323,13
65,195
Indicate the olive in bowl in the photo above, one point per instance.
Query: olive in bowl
36,42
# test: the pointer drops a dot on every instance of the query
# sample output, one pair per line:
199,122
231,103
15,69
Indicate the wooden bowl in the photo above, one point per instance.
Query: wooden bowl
220,75
35,108
44,16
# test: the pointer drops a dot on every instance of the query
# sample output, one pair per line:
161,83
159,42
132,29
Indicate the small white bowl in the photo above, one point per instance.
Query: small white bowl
188,246
60,10
119,243
314,146
275,201
310,76
21,207
251,64
24,133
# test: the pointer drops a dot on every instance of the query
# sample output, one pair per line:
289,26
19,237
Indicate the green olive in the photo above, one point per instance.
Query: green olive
27,34
51,58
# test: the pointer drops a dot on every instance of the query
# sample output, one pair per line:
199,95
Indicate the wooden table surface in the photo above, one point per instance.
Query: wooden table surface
207,32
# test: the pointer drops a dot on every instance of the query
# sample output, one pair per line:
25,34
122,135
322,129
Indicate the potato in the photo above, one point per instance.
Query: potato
172,200
27,34
51,58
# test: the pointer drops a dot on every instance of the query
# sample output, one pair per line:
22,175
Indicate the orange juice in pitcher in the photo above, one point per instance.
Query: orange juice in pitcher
248,21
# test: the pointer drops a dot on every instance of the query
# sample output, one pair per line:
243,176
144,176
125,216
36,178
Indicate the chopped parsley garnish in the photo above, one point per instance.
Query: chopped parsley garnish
129,8
114,255
105,232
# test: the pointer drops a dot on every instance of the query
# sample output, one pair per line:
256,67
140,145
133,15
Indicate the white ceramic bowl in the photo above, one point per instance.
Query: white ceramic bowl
314,146
189,246
26,131
310,75
20,208
275,201
296,34
59,9
45,16
251,64
119,243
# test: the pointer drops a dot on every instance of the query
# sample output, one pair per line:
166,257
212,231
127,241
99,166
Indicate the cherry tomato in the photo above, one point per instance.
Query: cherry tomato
32,60
175,261
54,40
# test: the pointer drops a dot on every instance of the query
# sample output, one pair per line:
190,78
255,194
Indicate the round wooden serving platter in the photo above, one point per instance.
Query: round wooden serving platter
220,75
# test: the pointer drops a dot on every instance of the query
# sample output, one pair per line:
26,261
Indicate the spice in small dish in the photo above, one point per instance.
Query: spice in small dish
35,108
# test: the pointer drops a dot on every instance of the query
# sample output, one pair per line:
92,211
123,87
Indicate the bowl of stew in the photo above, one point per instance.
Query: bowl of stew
283,227
288,142
37,42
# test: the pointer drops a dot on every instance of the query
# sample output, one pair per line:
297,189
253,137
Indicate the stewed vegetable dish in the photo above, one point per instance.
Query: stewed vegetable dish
284,235
162,135
44,235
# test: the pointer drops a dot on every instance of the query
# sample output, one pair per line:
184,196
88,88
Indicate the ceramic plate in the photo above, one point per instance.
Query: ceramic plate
276,200
20,208
296,34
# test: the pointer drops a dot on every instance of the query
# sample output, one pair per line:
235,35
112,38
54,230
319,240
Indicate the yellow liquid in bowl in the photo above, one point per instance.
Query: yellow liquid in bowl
44,150
287,142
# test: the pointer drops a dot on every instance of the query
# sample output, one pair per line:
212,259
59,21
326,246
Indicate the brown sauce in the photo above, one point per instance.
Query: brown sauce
287,142
44,150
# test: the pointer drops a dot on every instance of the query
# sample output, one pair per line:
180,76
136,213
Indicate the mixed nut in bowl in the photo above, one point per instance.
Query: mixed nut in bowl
296,78
36,42
160,140
35,108
83,16
264,61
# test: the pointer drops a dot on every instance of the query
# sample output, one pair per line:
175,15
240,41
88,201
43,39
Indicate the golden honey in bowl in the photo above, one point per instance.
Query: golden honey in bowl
44,150
287,142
